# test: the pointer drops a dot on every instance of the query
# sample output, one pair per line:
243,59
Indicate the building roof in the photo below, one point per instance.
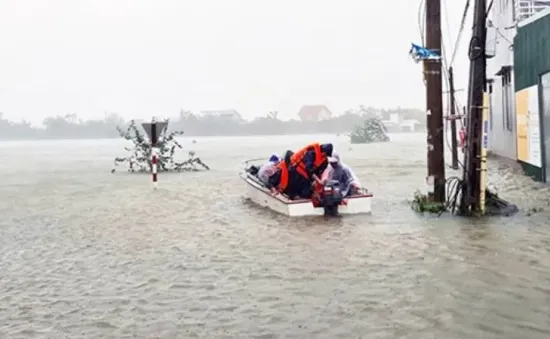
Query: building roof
312,111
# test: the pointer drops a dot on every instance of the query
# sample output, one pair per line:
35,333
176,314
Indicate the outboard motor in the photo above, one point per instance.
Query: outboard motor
331,198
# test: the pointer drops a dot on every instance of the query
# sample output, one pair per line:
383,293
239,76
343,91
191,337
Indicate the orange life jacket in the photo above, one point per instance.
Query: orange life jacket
283,182
297,159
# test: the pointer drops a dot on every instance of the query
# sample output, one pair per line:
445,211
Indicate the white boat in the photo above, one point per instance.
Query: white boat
259,194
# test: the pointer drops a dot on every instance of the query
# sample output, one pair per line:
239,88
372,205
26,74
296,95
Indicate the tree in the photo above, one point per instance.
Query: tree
273,115
372,130
140,160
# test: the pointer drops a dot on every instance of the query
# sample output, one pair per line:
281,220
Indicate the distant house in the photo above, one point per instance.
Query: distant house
410,125
314,113
403,125
225,115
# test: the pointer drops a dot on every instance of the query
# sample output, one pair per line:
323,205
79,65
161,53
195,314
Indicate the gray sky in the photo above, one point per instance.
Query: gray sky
141,58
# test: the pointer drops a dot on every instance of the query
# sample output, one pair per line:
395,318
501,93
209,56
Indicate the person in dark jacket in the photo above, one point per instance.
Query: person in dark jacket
308,167
310,160
290,188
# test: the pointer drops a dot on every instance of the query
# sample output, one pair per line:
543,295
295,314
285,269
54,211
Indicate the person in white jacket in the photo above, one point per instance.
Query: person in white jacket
338,171
268,169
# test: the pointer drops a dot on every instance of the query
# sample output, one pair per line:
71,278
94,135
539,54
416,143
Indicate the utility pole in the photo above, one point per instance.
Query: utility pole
434,101
470,198
452,102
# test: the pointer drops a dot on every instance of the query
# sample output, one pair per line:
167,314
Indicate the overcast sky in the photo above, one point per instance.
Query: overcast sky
141,58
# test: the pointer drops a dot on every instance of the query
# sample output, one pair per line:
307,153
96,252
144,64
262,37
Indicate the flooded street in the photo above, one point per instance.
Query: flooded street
89,254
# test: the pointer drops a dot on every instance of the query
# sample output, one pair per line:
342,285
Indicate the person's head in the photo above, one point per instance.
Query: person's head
334,160
326,149
274,158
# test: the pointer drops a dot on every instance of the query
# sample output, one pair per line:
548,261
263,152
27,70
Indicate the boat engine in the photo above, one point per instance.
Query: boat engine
331,198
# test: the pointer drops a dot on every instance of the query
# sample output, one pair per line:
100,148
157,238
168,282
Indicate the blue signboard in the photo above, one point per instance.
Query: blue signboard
485,141
486,126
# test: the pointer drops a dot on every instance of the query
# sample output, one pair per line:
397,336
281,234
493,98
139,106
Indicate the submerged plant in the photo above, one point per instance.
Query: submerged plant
139,158
425,203
372,130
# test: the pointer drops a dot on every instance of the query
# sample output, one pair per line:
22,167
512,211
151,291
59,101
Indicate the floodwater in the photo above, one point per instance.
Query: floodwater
89,254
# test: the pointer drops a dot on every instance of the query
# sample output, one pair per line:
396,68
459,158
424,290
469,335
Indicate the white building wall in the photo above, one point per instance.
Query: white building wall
394,117
502,124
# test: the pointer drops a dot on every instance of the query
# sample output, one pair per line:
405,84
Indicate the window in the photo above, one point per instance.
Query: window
507,100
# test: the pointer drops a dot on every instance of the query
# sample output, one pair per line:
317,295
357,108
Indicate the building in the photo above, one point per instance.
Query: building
505,16
223,115
410,125
524,9
502,124
532,94
314,113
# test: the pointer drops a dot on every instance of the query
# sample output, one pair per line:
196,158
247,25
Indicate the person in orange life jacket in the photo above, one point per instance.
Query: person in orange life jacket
311,161
281,181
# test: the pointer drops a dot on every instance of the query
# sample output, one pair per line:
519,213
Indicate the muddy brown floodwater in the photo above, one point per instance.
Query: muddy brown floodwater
89,254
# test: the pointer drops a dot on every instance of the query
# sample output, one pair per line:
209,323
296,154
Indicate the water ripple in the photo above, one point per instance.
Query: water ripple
94,255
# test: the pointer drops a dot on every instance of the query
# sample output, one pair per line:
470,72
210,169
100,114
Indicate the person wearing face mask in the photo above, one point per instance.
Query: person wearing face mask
341,173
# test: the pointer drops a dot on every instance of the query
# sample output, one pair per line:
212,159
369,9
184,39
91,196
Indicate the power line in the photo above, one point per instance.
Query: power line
459,35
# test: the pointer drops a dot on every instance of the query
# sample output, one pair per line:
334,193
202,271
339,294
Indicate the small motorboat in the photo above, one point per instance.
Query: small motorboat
330,202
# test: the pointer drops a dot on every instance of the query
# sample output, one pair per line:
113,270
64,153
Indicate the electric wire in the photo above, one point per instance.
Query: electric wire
454,184
460,30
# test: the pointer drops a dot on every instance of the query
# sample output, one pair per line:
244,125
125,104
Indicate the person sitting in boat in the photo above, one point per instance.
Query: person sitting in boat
307,166
282,181
268,169
342,173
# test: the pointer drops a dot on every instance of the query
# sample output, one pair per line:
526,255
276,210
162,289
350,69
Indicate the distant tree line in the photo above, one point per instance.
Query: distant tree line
69,126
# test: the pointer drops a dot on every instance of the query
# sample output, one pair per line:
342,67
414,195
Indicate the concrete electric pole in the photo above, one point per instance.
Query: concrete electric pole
434,101
470,198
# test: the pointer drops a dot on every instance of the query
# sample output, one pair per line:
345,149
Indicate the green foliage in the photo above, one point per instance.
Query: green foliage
139,159
424,203
372,130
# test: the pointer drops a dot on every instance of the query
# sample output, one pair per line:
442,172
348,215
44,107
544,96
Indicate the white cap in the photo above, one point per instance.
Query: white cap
334,158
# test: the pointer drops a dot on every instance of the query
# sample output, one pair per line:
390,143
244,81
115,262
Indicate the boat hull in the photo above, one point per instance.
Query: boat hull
258,194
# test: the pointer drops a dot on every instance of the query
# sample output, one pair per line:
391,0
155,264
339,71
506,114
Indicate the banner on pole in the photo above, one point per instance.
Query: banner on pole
420,53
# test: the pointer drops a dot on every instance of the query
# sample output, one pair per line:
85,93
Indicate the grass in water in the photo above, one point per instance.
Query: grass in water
425,203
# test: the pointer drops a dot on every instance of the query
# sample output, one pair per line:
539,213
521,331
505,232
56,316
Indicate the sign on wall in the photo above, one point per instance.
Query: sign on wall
528,126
